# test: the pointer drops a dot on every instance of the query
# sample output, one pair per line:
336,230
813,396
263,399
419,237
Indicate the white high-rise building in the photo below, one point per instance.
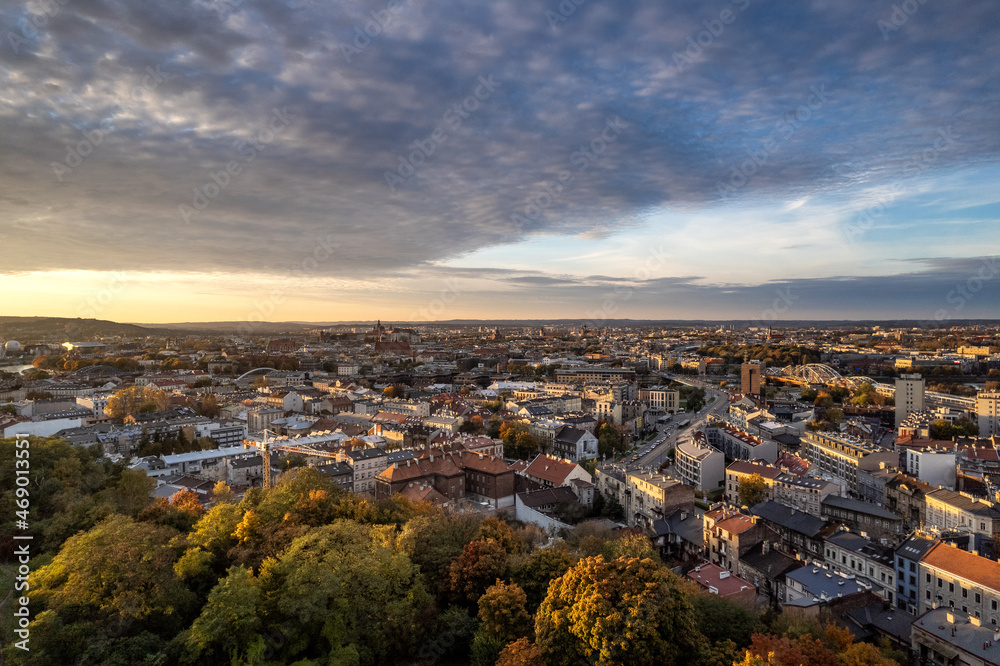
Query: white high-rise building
909,396
988,410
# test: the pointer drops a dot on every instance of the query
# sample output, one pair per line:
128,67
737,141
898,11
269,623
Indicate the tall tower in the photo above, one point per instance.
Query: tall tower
909,396
750,378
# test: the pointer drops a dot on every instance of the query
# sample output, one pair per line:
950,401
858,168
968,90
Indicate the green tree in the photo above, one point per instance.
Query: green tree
752,490
120,572
540,568
229,623
624,611
339,583
433,541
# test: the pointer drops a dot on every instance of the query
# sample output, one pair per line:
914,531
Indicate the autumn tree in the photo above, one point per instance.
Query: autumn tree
752,490
534,573
130,400
521,652
623,611
481,562
117,575
503,612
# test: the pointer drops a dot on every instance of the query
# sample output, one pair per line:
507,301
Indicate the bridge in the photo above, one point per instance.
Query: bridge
821,374
263,372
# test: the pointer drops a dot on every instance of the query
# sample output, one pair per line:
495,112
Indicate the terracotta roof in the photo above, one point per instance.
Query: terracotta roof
415,469
744,467
483,463
710,575
737,524
965,565
422,492
551,469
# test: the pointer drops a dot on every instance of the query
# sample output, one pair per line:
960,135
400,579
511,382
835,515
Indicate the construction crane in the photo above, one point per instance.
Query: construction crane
266,446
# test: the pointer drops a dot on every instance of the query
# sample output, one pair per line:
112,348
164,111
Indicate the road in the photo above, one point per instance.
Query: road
652,455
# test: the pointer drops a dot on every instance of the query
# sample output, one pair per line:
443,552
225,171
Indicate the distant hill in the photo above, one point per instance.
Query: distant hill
63,329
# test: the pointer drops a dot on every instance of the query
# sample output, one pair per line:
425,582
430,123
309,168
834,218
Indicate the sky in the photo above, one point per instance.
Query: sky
245,160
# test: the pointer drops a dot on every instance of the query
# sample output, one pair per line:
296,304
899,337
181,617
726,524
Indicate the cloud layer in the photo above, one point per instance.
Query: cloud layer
407,133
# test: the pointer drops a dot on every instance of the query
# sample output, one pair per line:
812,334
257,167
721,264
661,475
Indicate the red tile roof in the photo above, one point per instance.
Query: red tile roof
965,565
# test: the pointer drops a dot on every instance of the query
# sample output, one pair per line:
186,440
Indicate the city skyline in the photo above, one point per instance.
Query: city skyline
293,162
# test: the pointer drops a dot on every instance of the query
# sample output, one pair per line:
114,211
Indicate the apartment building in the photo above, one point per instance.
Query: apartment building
740,470
804,493
660,397
842,456
951,510
700,465
954,578
988,411
738,445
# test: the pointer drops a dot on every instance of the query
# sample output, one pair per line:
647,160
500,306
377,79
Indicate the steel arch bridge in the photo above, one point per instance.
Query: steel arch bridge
821,373
263,371
814,373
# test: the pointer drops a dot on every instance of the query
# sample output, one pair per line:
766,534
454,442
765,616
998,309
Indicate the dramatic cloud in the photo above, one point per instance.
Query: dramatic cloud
236,136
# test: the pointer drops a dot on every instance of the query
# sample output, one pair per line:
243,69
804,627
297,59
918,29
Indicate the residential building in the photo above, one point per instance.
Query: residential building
804,493
862,516
988,411
842,456
808,585
660,397
766,568
948,636
954,578
851,554
729,535
738,445
713,579
951,510
740,470
650,496
908,557
910,390
932,465
800,534
700,465
367,464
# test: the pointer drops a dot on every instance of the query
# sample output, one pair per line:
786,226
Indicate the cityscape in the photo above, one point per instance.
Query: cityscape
525,333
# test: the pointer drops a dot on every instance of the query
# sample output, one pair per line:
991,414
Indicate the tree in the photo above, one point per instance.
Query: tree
623,611
481,563
503,612
341,583
521,652
120,571
940,429
229,623
752,490
209,406
535,573
128,401
631,543
432,542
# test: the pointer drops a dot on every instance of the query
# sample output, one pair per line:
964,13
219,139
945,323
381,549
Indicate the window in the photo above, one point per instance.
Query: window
965,593
913,567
